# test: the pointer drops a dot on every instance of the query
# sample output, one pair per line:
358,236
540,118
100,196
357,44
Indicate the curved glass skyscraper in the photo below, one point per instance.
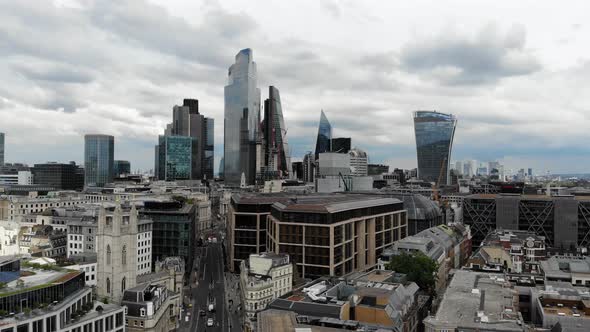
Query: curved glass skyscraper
98,160
434,143
324,140
241,120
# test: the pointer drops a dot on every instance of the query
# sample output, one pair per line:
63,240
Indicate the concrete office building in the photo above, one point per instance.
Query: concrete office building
308,167
334,234
242,119
58,175
561,220
98,160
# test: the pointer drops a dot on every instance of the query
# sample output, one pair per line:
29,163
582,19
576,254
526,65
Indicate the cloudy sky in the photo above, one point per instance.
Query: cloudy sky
515,73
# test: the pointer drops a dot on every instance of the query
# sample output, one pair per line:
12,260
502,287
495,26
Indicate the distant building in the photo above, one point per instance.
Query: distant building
539,213
297,170
324,138
477,301
341,144
2,149
319,231
358,162
308,167
60,176
242,119
263,278
98,160
122,167
276,154
377,169
174,161
21,178
434,144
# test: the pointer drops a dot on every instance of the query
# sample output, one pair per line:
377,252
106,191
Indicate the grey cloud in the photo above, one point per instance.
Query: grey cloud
459,60
331,7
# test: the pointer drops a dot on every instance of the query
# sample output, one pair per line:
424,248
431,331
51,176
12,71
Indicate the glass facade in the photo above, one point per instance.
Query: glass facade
174,157
209,148
98,160
276,148
434,142
121,167
324,140
241,120
1,148
59,176
341,144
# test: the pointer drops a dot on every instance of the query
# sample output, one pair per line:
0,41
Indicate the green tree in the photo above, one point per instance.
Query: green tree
419,268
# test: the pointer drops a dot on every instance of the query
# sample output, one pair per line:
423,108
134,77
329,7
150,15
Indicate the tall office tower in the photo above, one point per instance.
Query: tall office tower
221,167
308,167
242,118
341,144
209,155
188,122
116,242
358,162
99,151
274,133
122,167
459,167
434,144
324,140
297,167
174,157
468,170
1,149
530,172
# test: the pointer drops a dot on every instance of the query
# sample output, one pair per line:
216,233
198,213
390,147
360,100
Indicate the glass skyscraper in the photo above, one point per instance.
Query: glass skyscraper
122,167
98,160
175,157
324,140
276,148
1,148
434,144
209,148
241,120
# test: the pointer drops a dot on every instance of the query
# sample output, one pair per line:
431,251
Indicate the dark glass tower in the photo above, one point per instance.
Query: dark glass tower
241,120
98,160
434,143
174,157
341,144
59,176
324,140
122,167
276,148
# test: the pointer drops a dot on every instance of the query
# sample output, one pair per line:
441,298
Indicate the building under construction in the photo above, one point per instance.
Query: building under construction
564,221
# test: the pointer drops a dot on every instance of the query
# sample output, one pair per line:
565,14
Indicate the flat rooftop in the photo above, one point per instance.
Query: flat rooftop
332,203
39,279
476,300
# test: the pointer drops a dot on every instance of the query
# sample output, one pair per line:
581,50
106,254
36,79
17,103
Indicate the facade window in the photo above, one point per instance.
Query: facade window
123,284
124,253
108,254
108,285
142,312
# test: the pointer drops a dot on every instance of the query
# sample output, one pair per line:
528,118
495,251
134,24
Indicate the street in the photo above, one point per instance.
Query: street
208,282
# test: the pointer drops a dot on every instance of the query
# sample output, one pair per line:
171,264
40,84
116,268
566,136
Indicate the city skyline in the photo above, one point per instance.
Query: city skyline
501,114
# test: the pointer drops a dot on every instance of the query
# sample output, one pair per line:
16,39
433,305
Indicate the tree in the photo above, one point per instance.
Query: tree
419,268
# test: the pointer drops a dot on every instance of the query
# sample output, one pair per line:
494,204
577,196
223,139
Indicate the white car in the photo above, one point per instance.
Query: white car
210,322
